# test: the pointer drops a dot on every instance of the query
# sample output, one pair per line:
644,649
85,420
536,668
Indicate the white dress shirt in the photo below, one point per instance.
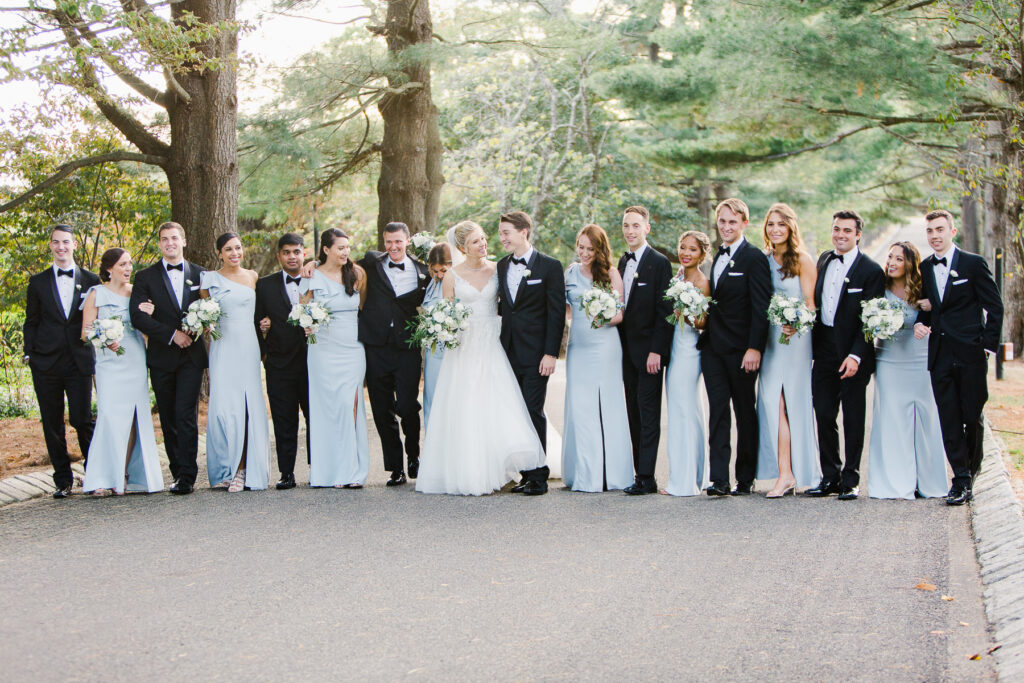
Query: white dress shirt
832,289
942,271
516,273
722,260
403,280
177,278
630,272
290,288
65,287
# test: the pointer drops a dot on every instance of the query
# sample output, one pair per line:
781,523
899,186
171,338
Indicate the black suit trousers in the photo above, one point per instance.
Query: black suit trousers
960,391
177,401
64,379
727,383
643,410
829,392
393,382
288,393
534,388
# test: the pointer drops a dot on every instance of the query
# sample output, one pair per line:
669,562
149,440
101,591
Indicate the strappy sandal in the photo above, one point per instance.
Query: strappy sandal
223,486
238,483
102,493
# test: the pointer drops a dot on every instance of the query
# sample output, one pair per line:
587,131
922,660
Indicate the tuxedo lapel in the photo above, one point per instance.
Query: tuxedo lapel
52,279
76,293
819,283
954,261
283,290
382,271
522,282
636,275
928,276
167,284
186,288
503,281
851,273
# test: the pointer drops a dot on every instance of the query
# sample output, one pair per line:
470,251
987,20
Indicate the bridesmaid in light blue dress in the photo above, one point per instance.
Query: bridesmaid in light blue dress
906,456
788,449
439,260
237,432
687,447
596,451
339,446
123,453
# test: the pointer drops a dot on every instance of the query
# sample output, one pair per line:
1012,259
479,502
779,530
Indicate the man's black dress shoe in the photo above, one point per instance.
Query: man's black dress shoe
181,488
641,487
397,479
824,488
62,493
535,488
287,482
849,493
743,488
414,468
521,486
717,490
958,495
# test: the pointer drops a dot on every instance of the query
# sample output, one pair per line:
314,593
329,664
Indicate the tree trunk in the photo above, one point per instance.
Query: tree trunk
1007,202
409,186
202,170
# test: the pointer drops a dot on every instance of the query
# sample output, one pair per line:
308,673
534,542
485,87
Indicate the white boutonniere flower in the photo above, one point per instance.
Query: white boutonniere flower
731,263
422,276
846,280
526,273
953,273
79,287
188,282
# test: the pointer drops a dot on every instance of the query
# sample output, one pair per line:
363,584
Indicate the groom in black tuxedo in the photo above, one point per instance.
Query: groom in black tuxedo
176,361
61,364
646,337
531,302
283,347
843,359
731,346
965,322
395,286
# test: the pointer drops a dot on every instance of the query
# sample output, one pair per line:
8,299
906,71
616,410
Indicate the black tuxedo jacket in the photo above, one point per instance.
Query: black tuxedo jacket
285,344
533,324
644,328
152,284
384,317
958,324
864,281
48,333
738,320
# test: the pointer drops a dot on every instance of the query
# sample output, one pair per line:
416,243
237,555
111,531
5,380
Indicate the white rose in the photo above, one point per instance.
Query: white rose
789,314
873,321
438,315
295,312
192,319
306,321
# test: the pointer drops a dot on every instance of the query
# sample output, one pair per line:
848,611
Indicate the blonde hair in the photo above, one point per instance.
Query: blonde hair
462,231
790,253
737,206
703,242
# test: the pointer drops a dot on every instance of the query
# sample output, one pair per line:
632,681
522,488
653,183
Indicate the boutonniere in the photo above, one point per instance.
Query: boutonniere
422,276
79,287
953,273
188,282
846,280
526,273
731,263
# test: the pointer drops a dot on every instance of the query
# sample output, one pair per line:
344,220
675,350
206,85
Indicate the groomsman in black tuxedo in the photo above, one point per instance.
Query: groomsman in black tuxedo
731,346
283,347
965,322
531,302
843,359
395,285
61,364
176,361
646,337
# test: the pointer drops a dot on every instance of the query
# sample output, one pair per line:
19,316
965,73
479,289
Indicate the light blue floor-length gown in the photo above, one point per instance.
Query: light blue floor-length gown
237,417
339,445
431,359
596,450
786,368
122,402
906,451
686,443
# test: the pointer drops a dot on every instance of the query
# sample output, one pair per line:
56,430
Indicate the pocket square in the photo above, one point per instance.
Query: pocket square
855,290
533,282
641,284
959,282
736,274
194,289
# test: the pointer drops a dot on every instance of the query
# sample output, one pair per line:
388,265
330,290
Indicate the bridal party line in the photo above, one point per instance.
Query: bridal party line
784,342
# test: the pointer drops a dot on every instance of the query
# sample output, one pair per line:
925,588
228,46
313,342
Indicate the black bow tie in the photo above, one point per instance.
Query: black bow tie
180,266
65,273
519,261
629,256
838,257
725,249
392,264
939,261
289,280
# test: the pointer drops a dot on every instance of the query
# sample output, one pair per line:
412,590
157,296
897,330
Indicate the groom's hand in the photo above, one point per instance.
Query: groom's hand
547,366
653,363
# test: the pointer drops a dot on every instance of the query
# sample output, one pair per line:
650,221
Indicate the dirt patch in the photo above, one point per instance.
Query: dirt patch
1005,410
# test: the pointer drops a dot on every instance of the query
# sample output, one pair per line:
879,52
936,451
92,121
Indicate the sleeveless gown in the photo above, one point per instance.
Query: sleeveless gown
338,441
479,435
787,368
122,401
431,359
237,417
596,450
906,451
687,447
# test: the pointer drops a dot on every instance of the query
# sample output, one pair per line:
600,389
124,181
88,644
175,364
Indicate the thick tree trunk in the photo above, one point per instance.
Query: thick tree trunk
410,180
202,171
1007,202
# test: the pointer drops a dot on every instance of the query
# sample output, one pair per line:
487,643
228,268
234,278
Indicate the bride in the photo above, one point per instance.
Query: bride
479,435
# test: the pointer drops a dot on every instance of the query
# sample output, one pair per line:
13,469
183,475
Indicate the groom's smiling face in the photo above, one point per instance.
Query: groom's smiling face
512,238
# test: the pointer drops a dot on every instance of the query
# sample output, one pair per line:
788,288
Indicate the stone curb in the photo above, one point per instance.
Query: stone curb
999,541
22,487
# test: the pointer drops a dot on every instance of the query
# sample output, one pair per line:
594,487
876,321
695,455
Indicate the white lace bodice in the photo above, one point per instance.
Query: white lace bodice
484,303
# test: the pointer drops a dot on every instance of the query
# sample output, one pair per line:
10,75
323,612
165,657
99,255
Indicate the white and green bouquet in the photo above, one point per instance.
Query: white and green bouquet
688,302
421,244
312,315
101,334
600,304
202,316
792,311
441,326
882,318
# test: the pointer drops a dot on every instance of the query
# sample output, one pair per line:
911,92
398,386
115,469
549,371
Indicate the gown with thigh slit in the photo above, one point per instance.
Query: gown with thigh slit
122,406
480,434
237,419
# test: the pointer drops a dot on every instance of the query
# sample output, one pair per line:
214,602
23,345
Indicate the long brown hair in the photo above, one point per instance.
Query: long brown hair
911,272
791,248
348,270
602,253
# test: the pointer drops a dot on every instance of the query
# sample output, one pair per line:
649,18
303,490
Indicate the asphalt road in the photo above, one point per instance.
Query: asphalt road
382,584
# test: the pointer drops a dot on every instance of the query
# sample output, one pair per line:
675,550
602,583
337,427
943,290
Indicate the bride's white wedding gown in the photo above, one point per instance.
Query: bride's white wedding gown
479,434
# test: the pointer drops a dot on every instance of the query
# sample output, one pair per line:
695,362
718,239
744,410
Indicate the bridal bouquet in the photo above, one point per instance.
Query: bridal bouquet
687,302
102,333
882,318
441,326
600,304
313,315
202,316
790,310
422,243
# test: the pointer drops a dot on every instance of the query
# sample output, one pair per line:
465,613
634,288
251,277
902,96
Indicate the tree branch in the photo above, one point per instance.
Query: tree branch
121,71
64,170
